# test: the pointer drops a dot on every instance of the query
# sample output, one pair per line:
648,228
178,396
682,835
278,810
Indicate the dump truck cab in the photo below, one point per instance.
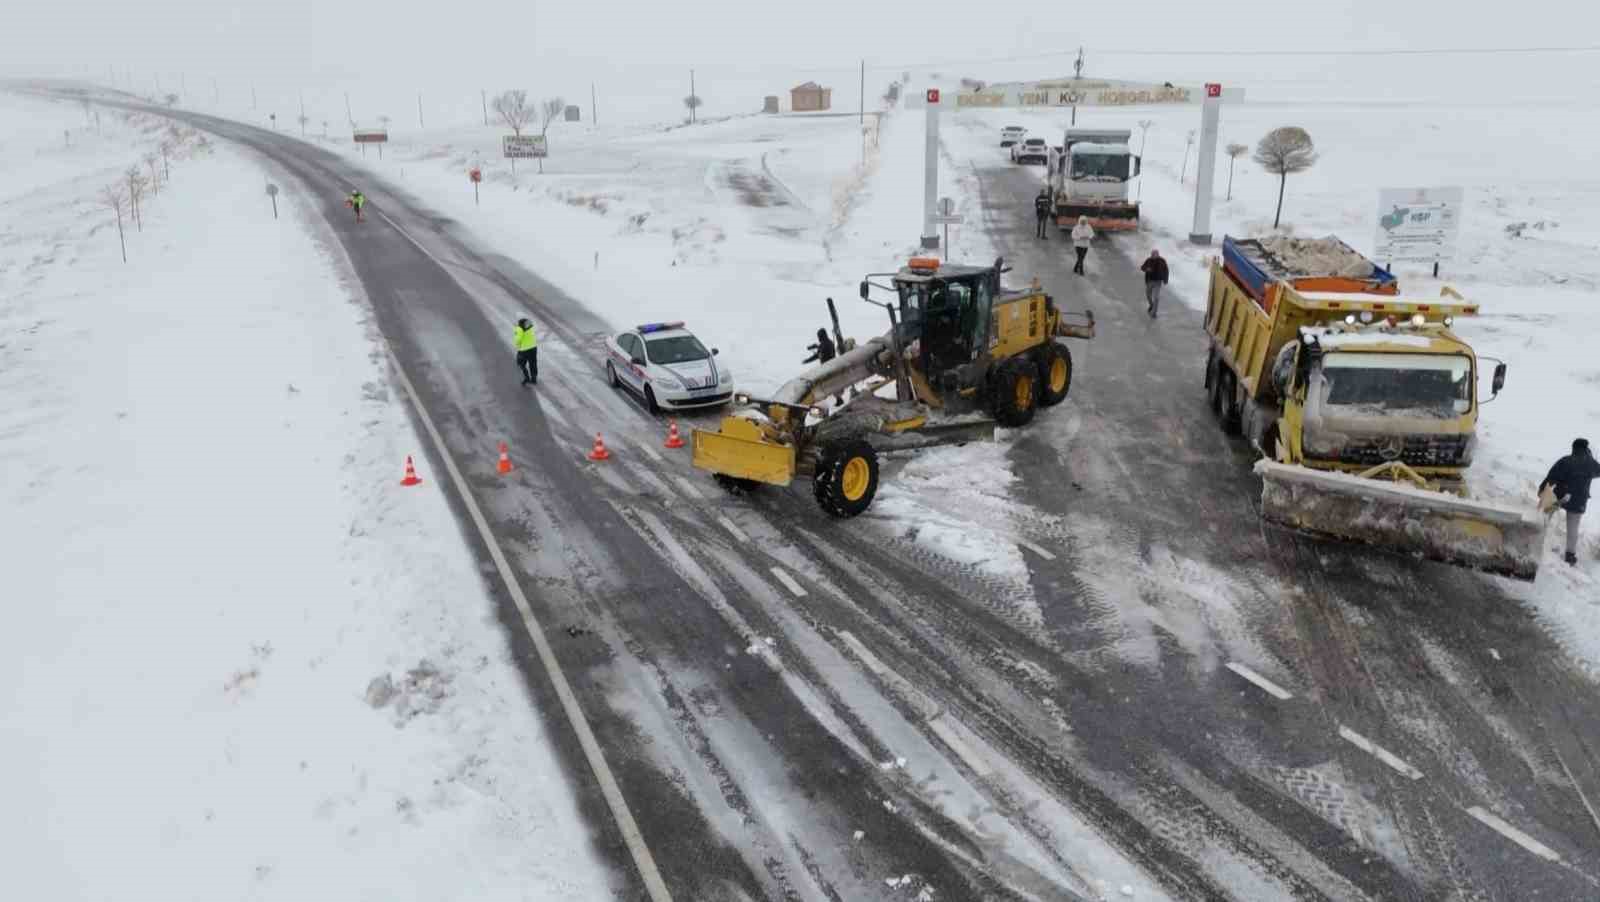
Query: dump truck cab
1360,395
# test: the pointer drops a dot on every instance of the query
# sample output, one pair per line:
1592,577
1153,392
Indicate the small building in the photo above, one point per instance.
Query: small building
572,114
770,105
810,98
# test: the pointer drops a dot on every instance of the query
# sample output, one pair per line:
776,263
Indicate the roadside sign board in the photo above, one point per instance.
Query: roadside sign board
371,136
1417,225
525,147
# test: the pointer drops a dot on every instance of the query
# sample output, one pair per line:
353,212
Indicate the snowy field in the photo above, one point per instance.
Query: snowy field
241,661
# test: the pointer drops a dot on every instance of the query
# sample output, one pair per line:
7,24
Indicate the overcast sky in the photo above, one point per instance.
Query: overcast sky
632,45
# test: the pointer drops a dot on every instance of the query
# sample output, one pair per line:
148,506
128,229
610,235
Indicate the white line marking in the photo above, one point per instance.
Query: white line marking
1488,819
788,582
1271,688
1366,745
592,753
689,487
965,752
651,453
1036,549
730,527
860,651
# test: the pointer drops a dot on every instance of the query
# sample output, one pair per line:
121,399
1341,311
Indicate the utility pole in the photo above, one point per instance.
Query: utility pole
302,111
483,94
1077,73
349,116
692,104
1144,135
594,107
419,118
216,92
253,99
863,118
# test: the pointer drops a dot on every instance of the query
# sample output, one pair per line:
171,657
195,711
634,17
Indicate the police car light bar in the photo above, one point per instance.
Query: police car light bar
660,327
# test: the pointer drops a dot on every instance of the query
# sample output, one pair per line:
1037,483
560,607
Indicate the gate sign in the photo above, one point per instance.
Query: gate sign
1067,92
524,147
372,136
1417,225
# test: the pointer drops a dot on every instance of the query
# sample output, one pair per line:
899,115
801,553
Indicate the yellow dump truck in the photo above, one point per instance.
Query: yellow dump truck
1363,404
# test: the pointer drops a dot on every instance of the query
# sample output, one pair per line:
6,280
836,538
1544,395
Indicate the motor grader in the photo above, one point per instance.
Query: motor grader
962,355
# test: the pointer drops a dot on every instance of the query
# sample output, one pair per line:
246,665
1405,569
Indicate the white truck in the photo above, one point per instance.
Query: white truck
1089,176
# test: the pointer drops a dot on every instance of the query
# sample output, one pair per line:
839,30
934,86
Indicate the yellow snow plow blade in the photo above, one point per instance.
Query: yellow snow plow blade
743,450
1494,538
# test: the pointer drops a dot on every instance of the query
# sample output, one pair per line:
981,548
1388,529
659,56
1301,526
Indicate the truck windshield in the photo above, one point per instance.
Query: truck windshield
1109,167
1417,384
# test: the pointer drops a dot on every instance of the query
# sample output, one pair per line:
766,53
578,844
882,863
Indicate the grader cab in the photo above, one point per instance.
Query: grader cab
962,354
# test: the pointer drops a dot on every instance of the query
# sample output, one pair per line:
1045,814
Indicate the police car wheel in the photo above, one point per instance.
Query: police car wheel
650,400
611,375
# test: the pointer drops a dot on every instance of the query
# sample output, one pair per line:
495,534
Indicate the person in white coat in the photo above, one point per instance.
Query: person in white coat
1082,234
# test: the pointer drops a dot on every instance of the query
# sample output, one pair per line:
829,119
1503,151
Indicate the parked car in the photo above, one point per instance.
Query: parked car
1011,134
667,367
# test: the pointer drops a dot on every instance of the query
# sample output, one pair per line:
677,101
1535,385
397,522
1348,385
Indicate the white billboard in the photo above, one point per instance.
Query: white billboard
525,147
1417,225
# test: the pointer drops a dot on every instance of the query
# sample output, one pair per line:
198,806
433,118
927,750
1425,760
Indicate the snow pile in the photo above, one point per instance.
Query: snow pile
241,660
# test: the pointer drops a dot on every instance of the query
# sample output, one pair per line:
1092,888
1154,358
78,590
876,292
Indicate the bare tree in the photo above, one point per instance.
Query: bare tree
114,196
1234,151
151,159
166,154
512,108
692,103
549,110
136,186
1282,151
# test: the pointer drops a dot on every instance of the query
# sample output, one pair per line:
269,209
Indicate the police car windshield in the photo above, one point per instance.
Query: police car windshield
677,349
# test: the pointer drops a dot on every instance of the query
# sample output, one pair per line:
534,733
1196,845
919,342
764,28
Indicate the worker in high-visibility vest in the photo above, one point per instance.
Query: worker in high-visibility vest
527,351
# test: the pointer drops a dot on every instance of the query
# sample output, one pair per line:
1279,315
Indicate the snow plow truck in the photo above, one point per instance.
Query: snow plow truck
962,355
1362,402
1089,176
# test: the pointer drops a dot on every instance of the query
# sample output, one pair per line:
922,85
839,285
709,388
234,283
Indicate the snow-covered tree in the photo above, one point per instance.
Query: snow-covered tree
512,108
114,197
550,109
1282,151
1234,152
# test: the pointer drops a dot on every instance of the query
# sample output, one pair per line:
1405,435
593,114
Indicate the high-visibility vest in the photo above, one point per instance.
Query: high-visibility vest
526,340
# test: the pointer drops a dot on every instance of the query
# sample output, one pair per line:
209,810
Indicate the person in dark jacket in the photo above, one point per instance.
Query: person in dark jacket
1569,481
1155,276
1041,212
823,351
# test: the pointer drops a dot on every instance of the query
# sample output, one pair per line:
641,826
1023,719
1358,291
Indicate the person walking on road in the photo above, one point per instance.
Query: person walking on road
1082,234
527,351
823,351
1155,276
1041,212
1569,481
356,201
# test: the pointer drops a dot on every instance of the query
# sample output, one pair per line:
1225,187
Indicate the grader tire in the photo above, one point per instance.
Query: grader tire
1055,374
1014,392
846,478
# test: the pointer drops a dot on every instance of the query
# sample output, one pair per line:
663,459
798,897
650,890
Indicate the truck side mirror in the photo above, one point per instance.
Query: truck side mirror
1499,378
865,290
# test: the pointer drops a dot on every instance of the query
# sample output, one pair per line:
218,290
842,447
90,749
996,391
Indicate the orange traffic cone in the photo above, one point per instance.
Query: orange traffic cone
674,440
504,466
411,474
599,452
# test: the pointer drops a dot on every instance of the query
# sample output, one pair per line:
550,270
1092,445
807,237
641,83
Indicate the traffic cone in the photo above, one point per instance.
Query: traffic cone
504,466
411,474
599,452
674,440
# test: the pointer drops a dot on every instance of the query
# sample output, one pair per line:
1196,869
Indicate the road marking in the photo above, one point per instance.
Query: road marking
1036,549
1593,816
592,753
689,487
730,527
1488,819
651,453
1377,751
860,651
788,582
1266,685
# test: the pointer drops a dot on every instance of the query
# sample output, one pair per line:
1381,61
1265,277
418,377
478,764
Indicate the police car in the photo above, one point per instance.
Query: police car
667,367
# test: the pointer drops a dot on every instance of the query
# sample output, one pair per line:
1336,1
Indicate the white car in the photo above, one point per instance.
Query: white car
1011,134
1030,149
667,367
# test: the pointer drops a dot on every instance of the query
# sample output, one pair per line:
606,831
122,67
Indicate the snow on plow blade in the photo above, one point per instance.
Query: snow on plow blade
1493,538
